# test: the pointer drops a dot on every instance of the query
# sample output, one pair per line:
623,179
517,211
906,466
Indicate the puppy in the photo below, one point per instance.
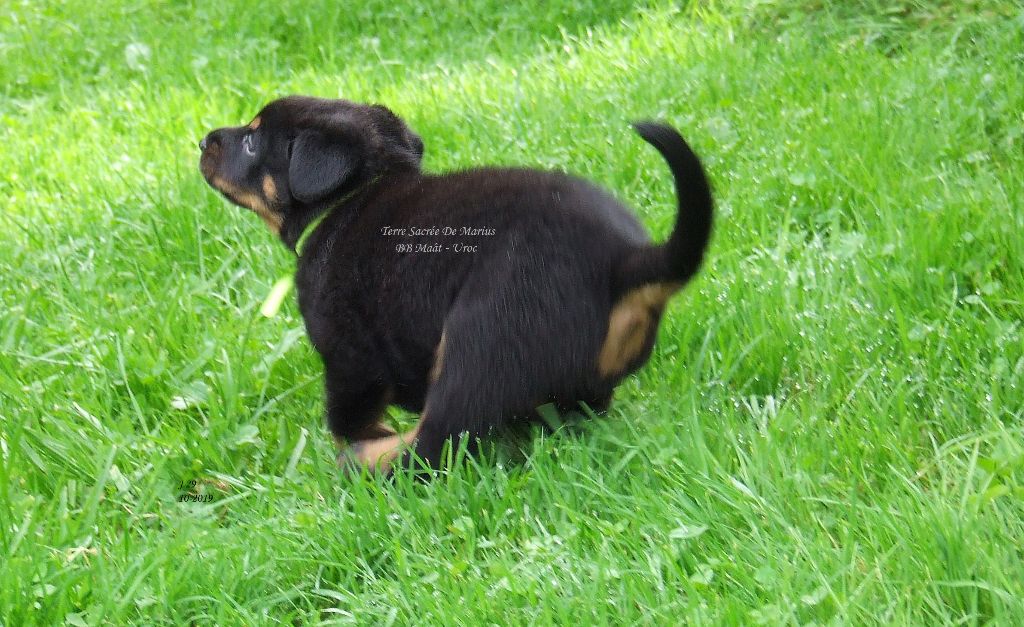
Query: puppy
470,298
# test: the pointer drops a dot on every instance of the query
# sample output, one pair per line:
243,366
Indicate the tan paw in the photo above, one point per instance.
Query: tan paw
375,455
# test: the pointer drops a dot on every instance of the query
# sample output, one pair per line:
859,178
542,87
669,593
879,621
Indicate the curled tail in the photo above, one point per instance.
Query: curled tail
679,258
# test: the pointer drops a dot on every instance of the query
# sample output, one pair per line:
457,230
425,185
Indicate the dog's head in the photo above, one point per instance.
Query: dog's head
300,153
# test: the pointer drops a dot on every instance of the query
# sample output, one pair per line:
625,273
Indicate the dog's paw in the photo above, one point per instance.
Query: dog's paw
375,456
350,459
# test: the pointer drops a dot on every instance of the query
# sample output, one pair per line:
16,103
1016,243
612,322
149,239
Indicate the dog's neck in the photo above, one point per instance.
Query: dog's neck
297,228
292,230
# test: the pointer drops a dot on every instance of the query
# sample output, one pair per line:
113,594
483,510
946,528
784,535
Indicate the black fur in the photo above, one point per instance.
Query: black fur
525,313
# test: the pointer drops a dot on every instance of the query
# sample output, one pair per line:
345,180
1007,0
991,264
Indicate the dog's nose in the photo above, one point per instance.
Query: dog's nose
212,140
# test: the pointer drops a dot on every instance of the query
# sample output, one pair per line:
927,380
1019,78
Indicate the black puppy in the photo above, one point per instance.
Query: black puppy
471,297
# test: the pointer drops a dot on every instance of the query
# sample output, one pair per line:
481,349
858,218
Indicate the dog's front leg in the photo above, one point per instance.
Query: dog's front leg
355,405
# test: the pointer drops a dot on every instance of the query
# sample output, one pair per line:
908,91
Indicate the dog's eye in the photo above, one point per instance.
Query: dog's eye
247,144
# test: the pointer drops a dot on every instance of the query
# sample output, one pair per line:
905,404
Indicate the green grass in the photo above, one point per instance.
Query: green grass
831,429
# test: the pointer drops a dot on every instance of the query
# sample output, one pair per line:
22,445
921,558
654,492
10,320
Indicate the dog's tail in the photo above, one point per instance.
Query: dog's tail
678,259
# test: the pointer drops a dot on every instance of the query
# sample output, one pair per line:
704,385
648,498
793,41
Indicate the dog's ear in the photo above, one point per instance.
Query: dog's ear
404,143
319,165
415,142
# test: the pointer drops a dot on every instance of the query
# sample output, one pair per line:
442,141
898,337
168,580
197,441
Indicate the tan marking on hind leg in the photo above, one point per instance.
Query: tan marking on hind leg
630,323
442,345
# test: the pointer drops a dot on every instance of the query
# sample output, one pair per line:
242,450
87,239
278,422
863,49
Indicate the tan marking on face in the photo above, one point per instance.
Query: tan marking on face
435,372
269,188
255,124
379,455
632,320
250,200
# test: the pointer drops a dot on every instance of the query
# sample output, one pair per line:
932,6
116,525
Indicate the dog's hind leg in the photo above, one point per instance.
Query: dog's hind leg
477,386
504,355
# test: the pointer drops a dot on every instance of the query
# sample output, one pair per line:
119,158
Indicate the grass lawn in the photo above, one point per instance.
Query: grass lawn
831,429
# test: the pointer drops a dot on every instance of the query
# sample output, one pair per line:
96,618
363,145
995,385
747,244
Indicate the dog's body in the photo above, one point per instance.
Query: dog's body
470,297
